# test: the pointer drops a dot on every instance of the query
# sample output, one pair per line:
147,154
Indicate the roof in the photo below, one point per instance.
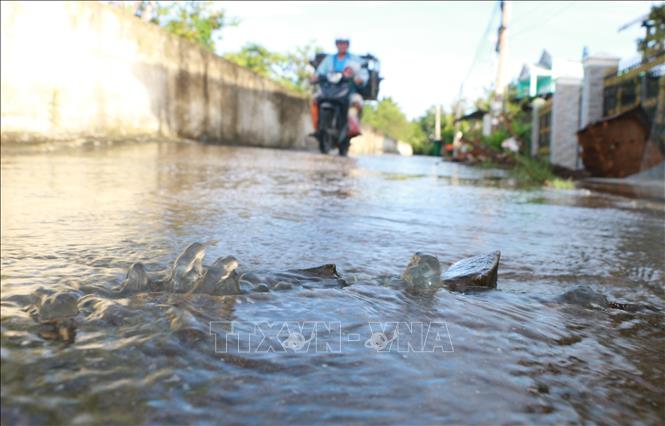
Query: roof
527,69
544,65
475,115
545,60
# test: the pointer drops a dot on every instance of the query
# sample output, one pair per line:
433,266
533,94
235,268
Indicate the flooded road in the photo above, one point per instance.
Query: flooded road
77,219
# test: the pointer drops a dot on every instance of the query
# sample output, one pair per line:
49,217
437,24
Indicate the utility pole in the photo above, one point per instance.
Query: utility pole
457,138
437,124
501,47
437,130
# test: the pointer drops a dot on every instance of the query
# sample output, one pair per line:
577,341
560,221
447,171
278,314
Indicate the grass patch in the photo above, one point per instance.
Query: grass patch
534,172
531,171
489,164
558,183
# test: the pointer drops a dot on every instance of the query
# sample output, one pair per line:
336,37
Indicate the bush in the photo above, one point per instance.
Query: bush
532,170
494,140
522,130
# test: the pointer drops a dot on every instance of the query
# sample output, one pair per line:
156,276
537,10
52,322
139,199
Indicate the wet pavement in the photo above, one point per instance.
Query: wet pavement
296,347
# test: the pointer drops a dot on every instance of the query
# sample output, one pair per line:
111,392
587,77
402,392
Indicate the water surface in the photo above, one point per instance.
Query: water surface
76,219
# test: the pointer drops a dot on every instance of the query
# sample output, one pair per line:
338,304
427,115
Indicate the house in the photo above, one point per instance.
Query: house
615,109
553,85
537,80
605,91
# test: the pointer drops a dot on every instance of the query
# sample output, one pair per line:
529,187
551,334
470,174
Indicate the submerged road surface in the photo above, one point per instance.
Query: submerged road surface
308,350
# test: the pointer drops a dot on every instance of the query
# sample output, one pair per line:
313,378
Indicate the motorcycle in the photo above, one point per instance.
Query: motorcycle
332,130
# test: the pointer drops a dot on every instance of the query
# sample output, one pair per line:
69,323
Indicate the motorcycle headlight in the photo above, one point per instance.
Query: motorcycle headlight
335,77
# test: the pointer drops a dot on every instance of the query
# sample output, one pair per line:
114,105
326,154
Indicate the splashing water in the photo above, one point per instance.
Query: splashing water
573,332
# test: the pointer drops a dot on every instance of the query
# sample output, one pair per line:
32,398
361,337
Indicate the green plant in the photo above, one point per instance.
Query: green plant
296,70
198,21
532,171
258,59
558,183
494,139
290,69
653,44
536,172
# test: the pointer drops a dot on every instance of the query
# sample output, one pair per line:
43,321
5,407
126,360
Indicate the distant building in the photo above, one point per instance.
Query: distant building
606,88
554,85
537,80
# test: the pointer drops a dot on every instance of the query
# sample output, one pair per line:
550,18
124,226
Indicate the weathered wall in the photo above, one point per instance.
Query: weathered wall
89,69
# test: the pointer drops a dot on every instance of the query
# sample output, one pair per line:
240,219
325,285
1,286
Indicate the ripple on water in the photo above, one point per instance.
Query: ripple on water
514,355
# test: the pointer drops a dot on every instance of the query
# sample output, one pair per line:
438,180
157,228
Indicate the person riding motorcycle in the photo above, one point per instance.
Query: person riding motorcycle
351,68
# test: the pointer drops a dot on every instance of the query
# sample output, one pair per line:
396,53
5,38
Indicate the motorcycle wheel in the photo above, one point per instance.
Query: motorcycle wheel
324,142
344,147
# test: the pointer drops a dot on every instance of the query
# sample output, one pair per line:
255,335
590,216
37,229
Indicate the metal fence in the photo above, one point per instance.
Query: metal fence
544,128
643,84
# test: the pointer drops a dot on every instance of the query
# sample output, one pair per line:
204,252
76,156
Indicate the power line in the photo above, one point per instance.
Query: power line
541,8
540,24
533,9
528,29
479,47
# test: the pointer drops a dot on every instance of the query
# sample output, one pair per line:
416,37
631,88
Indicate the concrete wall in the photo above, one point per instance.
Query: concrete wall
89,69
565,123
372,142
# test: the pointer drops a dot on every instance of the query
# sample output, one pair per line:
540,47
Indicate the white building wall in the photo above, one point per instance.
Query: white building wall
565,123
595,69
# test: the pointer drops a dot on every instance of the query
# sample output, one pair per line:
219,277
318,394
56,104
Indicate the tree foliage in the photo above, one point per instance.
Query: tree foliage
653,43
516,119
202,22
296,70
197,21
258,59
290,69
427,123
387,117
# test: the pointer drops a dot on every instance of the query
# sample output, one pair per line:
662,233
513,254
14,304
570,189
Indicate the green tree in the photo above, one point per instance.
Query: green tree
418,140
516,119
653,44
198,21
427,123
291,69
387,117
296,69
258,59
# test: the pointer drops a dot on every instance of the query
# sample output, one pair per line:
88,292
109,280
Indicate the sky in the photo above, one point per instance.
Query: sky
428,49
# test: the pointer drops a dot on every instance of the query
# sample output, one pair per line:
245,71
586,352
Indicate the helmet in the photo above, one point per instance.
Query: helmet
342,39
